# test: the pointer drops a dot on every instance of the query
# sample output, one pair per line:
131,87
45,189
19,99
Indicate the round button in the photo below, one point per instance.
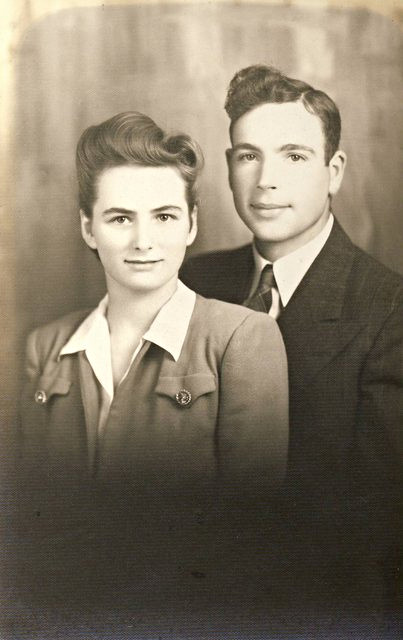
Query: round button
40,396
183,397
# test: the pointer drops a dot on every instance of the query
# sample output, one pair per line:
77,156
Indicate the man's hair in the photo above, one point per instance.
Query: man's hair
131,138
259,84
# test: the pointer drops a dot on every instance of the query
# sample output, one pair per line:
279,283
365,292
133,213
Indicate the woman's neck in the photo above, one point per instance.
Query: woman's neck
129,317
136,309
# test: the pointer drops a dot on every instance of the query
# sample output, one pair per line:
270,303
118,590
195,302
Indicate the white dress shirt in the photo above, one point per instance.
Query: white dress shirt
290,269
168,330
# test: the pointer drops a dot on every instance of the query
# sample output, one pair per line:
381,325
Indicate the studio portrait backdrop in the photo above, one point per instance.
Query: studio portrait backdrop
79,65
173,62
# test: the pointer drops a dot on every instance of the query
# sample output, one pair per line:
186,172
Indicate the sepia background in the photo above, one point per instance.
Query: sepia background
173,61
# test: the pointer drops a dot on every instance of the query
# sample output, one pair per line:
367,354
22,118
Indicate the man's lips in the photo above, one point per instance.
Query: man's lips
268,206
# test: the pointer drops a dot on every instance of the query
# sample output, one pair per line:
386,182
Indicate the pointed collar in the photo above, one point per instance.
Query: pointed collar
168,329
170,326
290,269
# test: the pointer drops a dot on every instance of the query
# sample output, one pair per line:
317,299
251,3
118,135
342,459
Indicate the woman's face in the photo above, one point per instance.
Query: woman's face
140,227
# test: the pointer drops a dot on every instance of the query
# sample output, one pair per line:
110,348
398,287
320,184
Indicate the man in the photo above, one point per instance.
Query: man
340,315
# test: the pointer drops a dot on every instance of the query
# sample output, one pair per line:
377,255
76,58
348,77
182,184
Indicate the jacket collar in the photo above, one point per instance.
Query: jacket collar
321,292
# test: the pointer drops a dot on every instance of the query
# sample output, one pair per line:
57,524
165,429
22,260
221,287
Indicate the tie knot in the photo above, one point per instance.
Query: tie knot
266,280
261,300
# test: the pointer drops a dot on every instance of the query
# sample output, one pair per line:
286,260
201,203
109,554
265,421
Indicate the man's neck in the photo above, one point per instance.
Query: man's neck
273,251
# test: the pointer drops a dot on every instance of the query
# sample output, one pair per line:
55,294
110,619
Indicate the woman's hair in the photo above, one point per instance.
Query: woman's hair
132,138
260,84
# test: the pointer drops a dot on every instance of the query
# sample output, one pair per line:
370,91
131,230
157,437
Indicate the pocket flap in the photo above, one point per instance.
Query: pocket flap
186,389
47,386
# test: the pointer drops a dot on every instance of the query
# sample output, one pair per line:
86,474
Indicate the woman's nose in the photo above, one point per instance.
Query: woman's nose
142,236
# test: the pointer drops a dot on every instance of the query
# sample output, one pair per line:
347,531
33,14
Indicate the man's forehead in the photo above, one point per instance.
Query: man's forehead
278,124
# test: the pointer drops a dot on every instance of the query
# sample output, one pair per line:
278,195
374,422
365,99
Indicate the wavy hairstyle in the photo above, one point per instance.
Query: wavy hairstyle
132,138
259,84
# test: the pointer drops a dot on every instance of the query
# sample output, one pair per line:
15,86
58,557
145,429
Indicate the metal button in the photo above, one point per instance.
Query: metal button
183,397
40,396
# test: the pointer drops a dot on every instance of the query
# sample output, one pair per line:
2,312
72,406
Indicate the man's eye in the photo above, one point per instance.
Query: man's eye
164,217
120,219
296,157
247,156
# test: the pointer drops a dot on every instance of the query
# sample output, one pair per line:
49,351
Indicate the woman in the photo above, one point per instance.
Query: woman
156,388
151,424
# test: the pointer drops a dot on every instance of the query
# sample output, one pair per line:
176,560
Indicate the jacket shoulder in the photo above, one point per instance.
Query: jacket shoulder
219,258
223,318
217,274
52,336
375,281
367,287
218,329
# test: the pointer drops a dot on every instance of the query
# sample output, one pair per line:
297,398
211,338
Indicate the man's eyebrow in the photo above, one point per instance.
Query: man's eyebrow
168,206
296,147
244,145
120,210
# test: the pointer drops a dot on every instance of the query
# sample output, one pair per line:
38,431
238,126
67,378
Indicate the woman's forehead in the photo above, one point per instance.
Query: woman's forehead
137,186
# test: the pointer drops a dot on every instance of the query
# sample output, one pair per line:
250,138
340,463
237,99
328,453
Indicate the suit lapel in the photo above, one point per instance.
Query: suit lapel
315,324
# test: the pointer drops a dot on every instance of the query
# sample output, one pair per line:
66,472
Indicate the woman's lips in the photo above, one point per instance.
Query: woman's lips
142,265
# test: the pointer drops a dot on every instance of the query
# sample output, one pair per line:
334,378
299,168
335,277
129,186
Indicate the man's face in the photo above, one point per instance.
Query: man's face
140,227
278,176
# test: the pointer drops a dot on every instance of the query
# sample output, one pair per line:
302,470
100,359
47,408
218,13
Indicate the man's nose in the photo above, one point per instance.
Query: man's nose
268,176
142,235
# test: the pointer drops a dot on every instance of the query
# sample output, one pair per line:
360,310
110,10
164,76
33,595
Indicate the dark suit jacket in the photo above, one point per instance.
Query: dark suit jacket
343,334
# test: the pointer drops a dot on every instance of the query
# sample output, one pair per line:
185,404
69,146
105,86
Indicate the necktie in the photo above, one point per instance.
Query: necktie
261,299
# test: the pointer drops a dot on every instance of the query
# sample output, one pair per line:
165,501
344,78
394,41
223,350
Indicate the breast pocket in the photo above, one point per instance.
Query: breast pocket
187,408
184,391
53,430
48,386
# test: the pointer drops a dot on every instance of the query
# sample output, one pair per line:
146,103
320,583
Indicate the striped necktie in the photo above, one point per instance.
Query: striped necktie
261,299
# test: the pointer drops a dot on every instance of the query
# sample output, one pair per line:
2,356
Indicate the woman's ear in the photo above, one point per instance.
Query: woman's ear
86,230
193,227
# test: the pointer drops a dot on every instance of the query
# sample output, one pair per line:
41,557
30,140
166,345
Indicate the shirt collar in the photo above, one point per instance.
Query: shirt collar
168,329
290,269
91,331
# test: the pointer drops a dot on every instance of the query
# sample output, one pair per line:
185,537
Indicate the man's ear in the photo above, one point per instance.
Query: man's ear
193,227
228,155
86,230
337,166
